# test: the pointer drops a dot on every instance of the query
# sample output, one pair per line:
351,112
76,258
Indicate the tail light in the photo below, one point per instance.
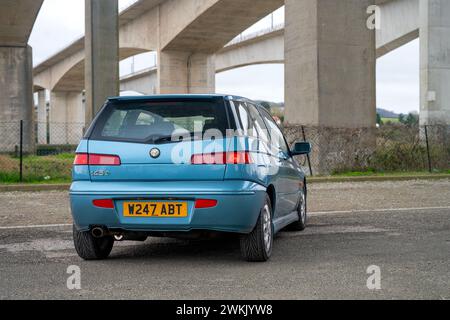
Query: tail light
236,157
84,159
103,203
81,159
204,203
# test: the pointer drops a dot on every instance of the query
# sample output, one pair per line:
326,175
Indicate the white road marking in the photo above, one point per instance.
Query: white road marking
334,230
37,226
323,213
317,213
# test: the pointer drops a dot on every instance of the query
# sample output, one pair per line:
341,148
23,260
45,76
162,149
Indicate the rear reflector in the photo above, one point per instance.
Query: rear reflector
83,159
204,203
236,157
104,203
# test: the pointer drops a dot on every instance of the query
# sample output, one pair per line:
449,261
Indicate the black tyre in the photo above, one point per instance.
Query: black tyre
90,248
300,225
257,245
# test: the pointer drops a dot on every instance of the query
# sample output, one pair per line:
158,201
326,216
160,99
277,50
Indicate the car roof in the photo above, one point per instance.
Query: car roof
177,96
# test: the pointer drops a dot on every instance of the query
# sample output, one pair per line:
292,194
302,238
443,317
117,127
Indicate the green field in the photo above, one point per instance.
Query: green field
391,120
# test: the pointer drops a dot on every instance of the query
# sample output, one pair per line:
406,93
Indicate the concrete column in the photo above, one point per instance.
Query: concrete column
435,62
58,117
102,54
16,97
66,117
185,72
42,118
330,79
75,117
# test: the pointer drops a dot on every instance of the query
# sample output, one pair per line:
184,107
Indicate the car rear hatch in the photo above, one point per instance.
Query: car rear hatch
154,140
137,164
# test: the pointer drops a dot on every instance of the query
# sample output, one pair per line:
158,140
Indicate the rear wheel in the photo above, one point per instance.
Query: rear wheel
257,245
90,248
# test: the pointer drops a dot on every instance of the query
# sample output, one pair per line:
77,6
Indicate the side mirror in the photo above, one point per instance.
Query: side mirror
301,148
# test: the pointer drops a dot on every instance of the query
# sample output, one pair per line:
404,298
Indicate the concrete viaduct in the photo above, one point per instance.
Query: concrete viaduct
329,52
400,25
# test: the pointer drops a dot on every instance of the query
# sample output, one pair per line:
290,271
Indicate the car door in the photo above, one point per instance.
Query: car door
284,171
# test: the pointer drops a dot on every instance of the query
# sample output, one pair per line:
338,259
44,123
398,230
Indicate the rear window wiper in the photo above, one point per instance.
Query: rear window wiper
158,140
162,139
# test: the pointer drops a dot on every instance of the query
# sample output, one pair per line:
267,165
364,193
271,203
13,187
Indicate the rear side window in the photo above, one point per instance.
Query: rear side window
249,119
259,122
276,136
245,121
148,121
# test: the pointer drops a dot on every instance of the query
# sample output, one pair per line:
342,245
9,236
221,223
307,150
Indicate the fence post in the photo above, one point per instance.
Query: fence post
307,156
430,168
21,152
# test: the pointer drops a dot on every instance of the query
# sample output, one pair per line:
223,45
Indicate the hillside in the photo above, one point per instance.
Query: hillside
387,114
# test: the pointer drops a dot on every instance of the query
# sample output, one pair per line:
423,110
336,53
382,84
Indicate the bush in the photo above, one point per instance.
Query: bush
45,150
401,148
399,157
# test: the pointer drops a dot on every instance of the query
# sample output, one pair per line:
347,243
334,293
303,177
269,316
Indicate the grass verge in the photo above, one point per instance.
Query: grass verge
37,169
385,174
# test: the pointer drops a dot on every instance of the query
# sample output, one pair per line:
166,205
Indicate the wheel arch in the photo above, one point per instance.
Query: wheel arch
305,186
272,195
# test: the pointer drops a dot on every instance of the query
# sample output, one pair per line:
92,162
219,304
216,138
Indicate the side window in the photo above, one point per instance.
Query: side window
246,122
258,122
144,119
276,135
114,123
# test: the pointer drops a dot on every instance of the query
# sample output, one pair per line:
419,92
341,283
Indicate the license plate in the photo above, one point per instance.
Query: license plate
155,209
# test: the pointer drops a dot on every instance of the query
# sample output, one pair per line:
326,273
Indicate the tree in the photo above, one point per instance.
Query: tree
266,105
412,119
379,120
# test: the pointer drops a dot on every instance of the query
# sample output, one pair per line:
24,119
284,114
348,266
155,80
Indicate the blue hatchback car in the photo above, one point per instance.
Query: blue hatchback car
185,166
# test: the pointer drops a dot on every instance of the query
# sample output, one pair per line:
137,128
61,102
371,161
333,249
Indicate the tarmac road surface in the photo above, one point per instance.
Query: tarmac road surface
402,228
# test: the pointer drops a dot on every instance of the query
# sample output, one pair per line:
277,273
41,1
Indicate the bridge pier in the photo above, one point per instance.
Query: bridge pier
102,54
42,118
330,58
185,72
66,117
435,62
16,97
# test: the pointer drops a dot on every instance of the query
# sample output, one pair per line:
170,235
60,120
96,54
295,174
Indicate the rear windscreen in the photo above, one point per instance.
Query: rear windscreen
158,121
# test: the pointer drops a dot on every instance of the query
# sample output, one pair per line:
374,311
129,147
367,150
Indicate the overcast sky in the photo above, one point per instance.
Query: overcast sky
60,22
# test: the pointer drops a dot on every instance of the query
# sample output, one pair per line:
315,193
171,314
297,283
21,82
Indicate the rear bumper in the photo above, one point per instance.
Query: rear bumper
238,207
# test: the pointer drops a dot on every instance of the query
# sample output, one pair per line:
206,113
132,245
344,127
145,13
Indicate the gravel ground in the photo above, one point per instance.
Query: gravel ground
52,207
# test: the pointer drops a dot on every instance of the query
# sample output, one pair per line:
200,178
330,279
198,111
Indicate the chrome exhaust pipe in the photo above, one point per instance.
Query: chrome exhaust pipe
97,232
118,237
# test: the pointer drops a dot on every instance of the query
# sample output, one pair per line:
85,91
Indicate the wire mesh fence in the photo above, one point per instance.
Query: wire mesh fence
42,152
389,148
34,152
